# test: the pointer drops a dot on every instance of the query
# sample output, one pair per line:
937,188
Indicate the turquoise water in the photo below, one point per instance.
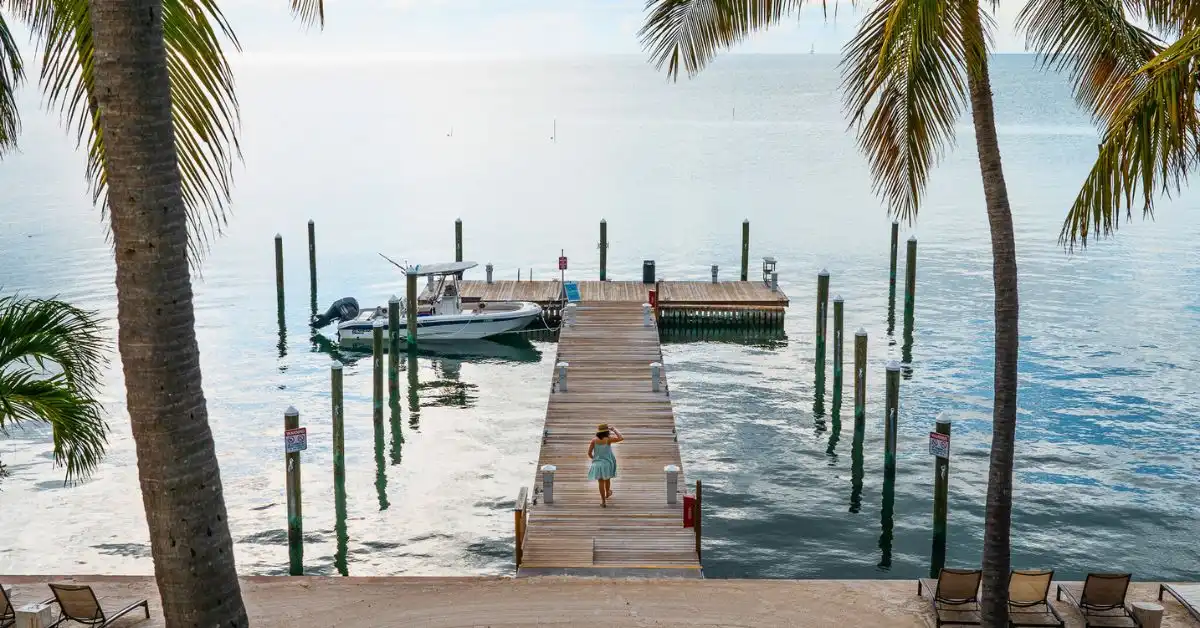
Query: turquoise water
1107,443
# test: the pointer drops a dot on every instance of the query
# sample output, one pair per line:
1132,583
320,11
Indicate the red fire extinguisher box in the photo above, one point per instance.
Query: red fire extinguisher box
689,511
653,298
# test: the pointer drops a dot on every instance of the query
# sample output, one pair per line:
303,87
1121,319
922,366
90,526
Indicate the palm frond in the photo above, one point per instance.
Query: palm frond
1094,41
689,33
1172,17
51,358
903,75
204,105
11,73
1149,147
309,12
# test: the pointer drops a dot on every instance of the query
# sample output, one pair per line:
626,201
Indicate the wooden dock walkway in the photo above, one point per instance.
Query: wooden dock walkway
609,350
670,293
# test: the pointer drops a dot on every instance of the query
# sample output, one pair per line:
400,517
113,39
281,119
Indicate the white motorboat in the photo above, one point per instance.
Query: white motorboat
441,313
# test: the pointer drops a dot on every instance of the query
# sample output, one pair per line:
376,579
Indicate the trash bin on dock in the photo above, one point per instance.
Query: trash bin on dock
648,271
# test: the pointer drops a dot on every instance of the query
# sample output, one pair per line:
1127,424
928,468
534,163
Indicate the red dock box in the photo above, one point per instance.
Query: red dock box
654,298
689,511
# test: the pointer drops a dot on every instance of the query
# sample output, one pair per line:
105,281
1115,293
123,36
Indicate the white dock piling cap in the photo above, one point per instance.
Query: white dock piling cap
943,417
310,221
745,220
893,365
838,299
337,366
379,322
394,299
671,469
656,365
860,332
895,222
912,238
458,220
549,468
278,236
563,365
823,273
292,411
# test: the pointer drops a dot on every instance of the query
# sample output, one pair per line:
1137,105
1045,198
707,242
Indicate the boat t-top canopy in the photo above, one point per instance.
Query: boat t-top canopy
448,268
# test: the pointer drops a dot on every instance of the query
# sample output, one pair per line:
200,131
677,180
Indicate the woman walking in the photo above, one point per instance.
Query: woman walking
604,463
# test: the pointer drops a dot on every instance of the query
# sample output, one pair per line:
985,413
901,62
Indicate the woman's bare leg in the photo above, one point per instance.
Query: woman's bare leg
608,487
603,494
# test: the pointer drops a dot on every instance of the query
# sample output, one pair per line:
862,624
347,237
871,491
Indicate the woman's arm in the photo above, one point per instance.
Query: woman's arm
616,436
591,447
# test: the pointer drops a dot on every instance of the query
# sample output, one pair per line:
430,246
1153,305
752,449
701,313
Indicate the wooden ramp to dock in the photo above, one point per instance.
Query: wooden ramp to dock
609,350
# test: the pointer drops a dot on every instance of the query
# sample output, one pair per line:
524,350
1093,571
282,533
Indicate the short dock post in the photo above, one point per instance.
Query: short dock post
838,312
458,240
569,310
410,309
393,329
377,364
892,275
714,273
562,376
295,516
910,284
655,376
312,265
745,249
488,268
279,270
647,315
548,482
941,489
672,472
860,375
603,250
891,416
822,323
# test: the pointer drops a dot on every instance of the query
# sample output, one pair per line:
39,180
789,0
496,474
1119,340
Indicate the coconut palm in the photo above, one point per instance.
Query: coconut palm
146,84
909,72
51,357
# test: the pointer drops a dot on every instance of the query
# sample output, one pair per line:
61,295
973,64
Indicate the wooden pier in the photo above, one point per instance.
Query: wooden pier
609,350
679,303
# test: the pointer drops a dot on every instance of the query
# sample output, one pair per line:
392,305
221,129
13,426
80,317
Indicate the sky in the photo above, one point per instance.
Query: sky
473,28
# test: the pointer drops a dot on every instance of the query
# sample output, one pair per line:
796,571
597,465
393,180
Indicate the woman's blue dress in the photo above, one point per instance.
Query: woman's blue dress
604,463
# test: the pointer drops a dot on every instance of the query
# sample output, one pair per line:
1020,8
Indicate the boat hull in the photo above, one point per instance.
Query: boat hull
468,325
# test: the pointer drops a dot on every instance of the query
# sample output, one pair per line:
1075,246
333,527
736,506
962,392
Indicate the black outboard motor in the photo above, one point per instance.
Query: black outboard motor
343,310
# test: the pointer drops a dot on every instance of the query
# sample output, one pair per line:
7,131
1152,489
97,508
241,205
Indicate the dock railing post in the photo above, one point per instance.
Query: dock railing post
838,320
489,269
655,376
672,474
822,323
745,249
562,377
603,250
715,269
860,375
941,489
410,309
295,513
458,248
891,416
548,482
647,315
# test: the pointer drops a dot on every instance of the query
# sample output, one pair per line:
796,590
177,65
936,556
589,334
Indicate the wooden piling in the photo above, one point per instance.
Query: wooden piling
295,513
745,249
393,329
279,270
892,276
410,309
458,248
312,265
891,416
838,306
910,284
339,470
941,489
377,363
603,250
860,375
822,323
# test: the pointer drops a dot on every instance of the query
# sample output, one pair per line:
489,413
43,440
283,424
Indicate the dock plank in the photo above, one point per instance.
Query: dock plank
609,350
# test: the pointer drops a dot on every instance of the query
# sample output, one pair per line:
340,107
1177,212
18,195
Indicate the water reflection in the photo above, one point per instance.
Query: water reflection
282,321
856,465
339,524
819,403
834,434
394,424
761,337
414,398
322,344
906,350
886,521
380,468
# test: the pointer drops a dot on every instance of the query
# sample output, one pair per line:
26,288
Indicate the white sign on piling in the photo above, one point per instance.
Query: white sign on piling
295,440
939,445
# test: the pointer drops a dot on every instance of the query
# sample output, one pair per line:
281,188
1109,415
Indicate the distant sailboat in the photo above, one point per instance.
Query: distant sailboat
451,133
812,49
554,131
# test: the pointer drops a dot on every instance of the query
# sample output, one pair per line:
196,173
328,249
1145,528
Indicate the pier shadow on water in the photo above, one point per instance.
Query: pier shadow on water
758,337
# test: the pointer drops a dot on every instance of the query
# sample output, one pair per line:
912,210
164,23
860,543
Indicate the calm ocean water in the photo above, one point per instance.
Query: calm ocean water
384,156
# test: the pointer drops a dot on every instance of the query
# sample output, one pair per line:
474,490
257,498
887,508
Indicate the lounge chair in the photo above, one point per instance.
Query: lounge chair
955,596
1028,600
1187,594
79,604
1101,600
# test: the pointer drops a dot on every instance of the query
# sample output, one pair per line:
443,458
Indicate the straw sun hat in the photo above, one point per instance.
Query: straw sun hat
603,427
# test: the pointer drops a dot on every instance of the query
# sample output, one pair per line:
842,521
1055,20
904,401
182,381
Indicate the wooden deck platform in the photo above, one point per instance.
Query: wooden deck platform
670,293
609,350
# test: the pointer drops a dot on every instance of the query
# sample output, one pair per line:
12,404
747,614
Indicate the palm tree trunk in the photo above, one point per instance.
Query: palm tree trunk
177,463
997,519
